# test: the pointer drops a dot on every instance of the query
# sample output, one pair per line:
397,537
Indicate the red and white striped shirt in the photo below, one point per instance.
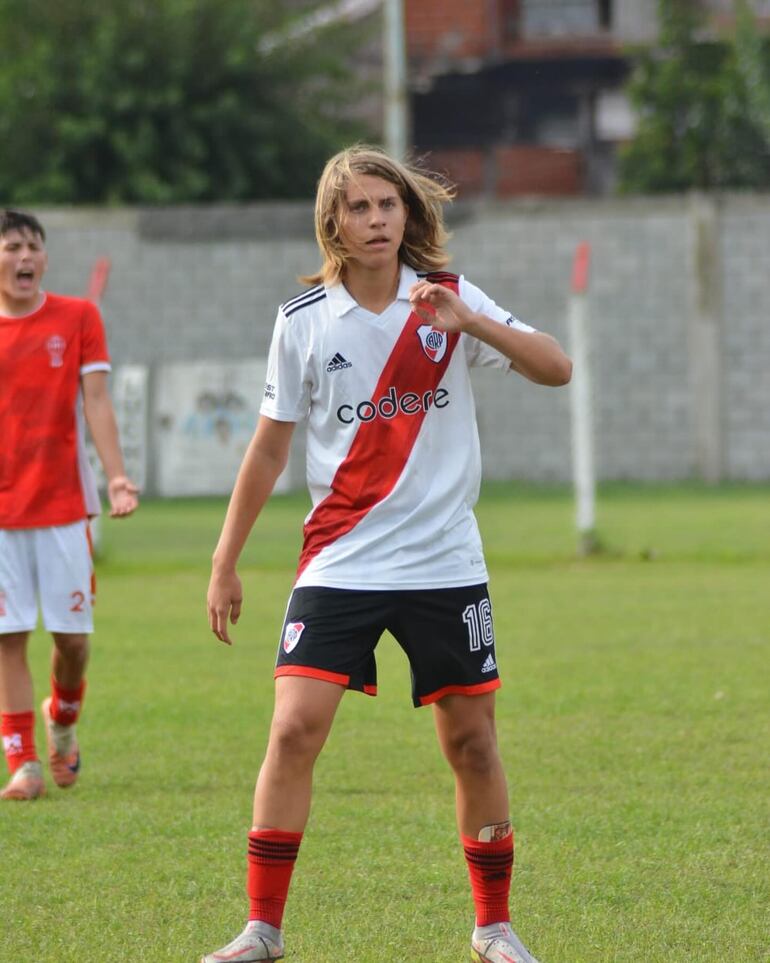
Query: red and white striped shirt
393,461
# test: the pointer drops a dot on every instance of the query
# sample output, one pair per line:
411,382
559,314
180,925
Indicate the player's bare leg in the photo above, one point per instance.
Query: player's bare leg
466,731
16,693
465,726
60,712
302,717
16,706
70,658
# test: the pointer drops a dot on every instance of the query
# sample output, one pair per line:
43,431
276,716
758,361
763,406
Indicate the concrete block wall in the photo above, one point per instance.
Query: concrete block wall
639,357
680,345
188,284
745,243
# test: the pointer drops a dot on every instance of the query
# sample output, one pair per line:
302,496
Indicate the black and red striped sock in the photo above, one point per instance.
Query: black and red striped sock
271,859
490,866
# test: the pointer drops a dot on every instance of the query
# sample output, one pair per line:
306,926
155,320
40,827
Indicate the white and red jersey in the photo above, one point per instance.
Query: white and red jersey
45,476
393,460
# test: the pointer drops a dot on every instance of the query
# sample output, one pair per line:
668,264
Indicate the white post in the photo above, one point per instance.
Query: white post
583,471
394,81
97,283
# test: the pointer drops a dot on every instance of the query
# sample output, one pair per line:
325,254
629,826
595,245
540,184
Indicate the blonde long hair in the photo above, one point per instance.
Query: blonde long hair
424,194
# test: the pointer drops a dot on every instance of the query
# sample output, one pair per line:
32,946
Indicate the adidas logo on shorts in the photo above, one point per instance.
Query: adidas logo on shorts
338,363
489,664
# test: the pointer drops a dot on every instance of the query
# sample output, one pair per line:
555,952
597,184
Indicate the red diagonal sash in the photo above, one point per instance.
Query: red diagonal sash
381,447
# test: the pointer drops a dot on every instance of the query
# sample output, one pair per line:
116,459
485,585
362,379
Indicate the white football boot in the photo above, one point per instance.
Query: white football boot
498,944
257,943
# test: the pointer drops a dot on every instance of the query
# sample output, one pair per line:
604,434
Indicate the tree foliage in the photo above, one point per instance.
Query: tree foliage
703,106
166,101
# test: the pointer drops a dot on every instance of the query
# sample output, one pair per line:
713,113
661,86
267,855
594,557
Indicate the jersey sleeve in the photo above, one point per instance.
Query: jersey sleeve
94,355
478,353
287,386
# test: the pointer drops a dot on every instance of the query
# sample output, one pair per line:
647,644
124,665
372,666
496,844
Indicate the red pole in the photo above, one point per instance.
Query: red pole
97,283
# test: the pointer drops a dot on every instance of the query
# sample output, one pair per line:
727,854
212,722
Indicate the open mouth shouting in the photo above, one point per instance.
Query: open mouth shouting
22,265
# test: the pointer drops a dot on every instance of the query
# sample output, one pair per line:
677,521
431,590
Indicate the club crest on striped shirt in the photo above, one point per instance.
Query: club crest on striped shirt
291,635
433,342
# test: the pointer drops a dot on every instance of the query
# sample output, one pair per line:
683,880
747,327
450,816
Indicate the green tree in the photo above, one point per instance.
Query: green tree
166,101
752,60
702,107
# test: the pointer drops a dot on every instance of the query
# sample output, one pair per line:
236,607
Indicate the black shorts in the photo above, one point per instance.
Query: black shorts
447,634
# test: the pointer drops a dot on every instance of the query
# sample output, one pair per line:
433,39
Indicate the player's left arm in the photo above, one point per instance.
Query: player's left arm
100,418
534,354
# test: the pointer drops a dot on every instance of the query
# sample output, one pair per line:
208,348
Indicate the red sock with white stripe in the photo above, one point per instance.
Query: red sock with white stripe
490,866
66,703
271,859
18,732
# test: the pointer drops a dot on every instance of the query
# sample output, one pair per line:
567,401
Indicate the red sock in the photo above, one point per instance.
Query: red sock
66,703
490,866
18,732
272,855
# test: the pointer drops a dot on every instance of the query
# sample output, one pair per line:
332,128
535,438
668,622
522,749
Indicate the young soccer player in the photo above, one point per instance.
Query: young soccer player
53,372
375,356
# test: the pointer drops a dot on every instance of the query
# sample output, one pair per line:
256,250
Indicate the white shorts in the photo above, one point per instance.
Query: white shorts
53,565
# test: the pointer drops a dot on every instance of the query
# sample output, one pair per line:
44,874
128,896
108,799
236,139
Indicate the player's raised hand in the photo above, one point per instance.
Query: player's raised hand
123,495
224,601
439,306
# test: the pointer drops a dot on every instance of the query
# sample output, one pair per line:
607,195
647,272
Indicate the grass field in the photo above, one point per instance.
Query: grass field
633,722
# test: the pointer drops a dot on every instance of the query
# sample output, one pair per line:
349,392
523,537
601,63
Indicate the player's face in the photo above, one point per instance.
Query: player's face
373,221
23,261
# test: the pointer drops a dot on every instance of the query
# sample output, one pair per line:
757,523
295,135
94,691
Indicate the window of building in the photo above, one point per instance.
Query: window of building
509,14
561,18
605,14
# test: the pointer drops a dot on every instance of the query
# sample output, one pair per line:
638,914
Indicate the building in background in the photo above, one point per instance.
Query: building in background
515,97
523,97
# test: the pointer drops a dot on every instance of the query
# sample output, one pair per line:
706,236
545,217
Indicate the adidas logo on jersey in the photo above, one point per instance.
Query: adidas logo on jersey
338,363
489,664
